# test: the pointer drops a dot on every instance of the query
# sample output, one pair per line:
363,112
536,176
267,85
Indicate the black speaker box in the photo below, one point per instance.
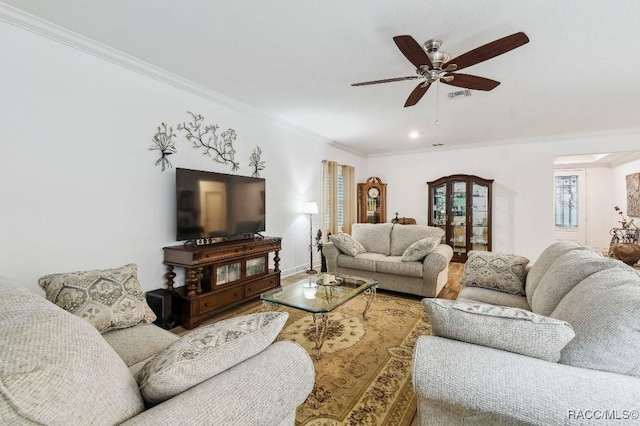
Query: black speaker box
160,303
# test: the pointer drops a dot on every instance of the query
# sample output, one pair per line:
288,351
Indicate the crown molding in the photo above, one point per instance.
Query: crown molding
33,24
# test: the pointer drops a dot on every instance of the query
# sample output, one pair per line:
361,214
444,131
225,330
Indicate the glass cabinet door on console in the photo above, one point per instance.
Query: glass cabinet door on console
461,206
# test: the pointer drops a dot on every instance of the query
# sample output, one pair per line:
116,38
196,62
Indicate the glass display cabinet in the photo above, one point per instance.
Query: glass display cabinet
372,201
461,206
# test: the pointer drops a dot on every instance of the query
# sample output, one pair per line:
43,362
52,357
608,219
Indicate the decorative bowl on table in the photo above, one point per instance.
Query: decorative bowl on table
331,283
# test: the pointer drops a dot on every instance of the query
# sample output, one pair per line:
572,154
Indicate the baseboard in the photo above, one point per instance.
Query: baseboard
297,269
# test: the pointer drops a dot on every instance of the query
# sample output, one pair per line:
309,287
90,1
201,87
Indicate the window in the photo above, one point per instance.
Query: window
566,201
338,198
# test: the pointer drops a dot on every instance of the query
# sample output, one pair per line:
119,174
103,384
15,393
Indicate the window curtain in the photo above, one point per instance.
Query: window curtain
339,206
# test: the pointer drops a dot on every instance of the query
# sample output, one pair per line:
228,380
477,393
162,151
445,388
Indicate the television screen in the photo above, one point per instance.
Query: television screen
218,205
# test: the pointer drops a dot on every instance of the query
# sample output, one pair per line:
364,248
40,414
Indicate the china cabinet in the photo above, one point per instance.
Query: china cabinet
372,201
461,206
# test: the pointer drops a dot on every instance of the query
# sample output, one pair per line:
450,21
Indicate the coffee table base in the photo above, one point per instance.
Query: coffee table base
321,321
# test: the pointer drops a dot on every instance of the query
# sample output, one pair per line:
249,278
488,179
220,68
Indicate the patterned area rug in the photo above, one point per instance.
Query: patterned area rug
364,374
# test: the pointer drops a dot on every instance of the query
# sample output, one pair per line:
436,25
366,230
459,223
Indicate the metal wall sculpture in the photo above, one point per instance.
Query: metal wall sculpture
256,162
218,146
163,142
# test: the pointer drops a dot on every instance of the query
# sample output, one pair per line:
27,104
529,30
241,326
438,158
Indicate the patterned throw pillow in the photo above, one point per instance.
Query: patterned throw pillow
109,298
495,271
420,249
500,327
347,244
206,352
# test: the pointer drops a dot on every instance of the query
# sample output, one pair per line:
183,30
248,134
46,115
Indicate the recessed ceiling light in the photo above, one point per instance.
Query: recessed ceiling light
414,135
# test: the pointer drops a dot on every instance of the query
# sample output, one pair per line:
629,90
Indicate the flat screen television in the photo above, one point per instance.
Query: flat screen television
218,206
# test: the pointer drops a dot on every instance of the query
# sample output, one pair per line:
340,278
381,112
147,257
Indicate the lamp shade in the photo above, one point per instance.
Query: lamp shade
310,207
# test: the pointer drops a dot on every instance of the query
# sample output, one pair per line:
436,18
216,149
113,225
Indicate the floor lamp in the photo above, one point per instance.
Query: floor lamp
311,208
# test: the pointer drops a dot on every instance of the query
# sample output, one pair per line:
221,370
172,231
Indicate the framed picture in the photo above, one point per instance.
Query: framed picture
633,195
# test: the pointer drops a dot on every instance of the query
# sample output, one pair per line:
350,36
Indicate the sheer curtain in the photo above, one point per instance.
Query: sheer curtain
338,198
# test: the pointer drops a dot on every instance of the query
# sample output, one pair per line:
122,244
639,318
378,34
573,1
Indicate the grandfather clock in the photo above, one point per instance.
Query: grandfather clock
372,201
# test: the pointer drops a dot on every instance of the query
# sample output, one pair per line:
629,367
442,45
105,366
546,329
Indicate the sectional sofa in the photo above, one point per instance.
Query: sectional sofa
562,349
57,369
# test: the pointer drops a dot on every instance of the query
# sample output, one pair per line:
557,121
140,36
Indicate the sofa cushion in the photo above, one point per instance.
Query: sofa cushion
420,249
402,236
500,327
496,271
56,369
564,274
138,343
364,261
347,244
603,310
375,238
484,295
206,352
109,298
544,262
394,265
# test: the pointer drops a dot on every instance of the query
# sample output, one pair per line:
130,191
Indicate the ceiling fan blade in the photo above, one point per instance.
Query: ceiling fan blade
417,94
388,80
471,82
413,51
489,50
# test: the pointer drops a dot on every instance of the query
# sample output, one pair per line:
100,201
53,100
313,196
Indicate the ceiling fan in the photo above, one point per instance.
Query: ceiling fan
434,65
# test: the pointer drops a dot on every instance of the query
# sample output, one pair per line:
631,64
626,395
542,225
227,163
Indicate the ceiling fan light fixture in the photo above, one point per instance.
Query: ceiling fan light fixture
438,58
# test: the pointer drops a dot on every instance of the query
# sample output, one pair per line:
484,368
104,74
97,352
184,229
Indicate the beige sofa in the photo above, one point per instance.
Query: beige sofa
57,369
385,244
501,374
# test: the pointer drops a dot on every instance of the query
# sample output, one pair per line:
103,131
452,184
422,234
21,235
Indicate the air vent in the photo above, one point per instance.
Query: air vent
437,144
459,94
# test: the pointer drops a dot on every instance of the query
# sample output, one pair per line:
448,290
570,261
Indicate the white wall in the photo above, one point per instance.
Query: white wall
600,212
78,184
522,189
79,188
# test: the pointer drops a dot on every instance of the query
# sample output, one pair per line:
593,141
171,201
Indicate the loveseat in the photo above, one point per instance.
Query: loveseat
562,349
57,369
403,258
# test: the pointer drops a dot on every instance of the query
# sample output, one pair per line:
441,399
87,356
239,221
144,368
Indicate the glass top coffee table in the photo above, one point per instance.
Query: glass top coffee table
310,296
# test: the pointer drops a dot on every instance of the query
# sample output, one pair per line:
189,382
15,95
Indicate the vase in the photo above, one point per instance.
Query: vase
629,253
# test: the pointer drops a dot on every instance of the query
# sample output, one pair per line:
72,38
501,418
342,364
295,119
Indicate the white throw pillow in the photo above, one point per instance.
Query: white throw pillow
347,244
206,352
420,249
500,327
108,298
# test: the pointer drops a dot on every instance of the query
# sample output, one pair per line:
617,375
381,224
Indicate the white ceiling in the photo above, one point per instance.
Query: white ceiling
295,60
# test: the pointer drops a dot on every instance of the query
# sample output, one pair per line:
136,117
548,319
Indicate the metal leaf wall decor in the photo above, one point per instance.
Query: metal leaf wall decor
218,146
256,162
163,142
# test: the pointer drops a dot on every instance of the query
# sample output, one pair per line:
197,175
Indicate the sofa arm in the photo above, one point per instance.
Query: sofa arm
263,390
471,379
434,263
331,252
